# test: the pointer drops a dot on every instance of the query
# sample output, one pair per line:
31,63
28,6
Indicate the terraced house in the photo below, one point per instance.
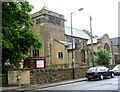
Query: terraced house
116,47
57,39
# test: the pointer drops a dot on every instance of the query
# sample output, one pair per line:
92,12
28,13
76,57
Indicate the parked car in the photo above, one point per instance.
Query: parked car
99,72
116,69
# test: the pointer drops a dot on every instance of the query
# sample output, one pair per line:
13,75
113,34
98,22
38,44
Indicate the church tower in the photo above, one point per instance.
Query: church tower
49,26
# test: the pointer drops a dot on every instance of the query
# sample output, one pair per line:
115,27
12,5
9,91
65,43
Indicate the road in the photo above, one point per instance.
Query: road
106,84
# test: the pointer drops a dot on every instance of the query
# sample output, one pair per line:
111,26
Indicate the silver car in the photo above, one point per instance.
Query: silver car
116,69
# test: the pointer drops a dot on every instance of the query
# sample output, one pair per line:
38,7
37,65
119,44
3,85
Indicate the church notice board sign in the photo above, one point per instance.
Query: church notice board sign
37,62
40,63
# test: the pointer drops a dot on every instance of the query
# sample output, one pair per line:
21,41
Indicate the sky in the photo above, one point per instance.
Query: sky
104,14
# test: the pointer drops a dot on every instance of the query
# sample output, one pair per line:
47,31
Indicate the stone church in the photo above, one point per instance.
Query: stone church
103,42
57,39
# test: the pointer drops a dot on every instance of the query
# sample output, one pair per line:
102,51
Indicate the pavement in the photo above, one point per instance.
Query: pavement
41,86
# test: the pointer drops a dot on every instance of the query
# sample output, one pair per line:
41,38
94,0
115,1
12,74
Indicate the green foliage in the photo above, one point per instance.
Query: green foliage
103,57
17,36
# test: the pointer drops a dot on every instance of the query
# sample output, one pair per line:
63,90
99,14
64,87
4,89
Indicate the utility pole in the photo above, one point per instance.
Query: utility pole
72,48
91,42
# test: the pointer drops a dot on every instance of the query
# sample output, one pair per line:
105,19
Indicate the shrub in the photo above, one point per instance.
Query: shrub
103,57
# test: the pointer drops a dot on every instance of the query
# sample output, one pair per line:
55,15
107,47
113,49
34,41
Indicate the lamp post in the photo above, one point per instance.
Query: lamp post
91,42
72,41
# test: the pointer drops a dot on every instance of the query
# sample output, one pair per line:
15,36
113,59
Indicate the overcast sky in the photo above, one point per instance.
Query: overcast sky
104,14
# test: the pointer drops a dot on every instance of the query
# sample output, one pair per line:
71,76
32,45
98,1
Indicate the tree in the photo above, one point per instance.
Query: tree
17,36
103,57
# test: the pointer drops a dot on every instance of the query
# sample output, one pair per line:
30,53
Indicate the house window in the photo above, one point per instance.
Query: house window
35,53
60,55
106,46
83,44
83,55
69,39
77,46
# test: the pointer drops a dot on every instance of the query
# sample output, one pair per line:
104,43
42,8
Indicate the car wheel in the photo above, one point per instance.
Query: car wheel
112,75
89,79
101,77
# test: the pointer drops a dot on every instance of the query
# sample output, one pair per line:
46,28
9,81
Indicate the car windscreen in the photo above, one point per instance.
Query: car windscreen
92,70
117,67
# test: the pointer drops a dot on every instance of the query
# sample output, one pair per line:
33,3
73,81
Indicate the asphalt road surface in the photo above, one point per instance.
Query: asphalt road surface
106,84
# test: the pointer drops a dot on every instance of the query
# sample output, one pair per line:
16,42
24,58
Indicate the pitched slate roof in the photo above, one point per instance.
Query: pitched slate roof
68,45
95,40
77,33
115,41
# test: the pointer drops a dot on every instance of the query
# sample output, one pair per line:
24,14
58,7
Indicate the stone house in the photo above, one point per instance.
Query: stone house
116,47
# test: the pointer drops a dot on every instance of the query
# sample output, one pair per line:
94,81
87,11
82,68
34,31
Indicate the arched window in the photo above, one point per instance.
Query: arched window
83,55
35,52
107,47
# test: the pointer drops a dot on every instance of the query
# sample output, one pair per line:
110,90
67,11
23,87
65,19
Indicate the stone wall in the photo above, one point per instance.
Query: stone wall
18,76
39,76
